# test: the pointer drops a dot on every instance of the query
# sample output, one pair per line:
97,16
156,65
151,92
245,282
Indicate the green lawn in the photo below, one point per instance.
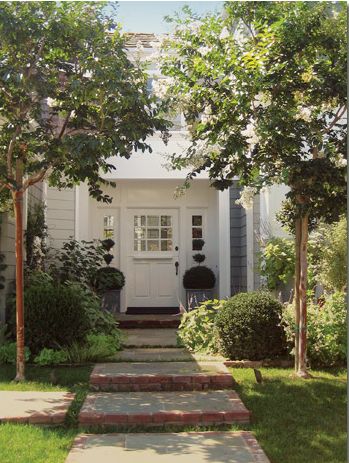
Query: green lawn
295,421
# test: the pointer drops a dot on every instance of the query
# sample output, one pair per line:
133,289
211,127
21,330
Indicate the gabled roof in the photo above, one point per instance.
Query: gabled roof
132,38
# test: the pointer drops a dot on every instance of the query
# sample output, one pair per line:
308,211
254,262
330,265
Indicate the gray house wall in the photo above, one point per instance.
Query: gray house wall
238,239
238,242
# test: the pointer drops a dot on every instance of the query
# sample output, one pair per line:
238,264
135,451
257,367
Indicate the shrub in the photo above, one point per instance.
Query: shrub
108,278
248,326
80,260
277,262
98,347
55,314
199,277
326,330
50,357
197,329
8,353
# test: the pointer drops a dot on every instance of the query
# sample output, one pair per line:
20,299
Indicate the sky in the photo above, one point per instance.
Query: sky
147,16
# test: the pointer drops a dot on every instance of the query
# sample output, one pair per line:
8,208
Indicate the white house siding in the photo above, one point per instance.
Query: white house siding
60,215
7,241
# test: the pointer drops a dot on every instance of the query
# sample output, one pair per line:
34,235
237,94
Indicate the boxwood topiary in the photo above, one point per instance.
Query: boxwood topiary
108,278
199,277
248,326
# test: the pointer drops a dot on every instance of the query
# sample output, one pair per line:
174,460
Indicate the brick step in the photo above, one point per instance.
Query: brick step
200,408
160,376
148,321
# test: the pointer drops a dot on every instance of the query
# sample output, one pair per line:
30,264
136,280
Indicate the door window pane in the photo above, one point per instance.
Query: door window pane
166,245
197,220
197,232
152,220
153,245
166,232
152,233
166,220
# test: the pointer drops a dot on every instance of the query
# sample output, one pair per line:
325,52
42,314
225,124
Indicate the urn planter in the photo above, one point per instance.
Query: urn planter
111,301
194,297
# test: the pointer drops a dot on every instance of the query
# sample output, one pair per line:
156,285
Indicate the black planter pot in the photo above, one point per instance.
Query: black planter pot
195,296
111,301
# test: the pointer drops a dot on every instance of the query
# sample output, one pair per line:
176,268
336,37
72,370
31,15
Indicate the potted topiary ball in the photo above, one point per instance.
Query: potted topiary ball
198,282
109,281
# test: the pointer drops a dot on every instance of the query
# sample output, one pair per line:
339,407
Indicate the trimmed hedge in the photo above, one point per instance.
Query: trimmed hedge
108,278
199,277
248,326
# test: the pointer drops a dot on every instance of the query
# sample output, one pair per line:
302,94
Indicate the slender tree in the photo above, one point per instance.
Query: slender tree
70,99
263,89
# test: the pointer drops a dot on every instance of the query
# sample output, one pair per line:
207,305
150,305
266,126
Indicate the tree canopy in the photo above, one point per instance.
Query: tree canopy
263,89
70,97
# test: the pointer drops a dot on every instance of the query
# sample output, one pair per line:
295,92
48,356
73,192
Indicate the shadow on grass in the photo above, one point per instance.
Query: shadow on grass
297,421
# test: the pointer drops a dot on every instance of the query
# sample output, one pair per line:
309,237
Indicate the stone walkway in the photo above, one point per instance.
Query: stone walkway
154,383
192,447
34,407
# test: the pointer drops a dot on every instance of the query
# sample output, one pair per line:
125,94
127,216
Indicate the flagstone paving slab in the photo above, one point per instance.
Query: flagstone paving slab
160,376
204,447
163,354
159,408
150,337
34,407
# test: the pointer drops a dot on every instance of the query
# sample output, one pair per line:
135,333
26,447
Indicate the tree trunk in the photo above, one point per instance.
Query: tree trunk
303,265
18,204
18,209
298,226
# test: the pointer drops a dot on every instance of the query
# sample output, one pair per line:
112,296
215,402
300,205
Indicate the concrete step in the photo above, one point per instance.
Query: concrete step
34,407
200,408
150,321
150,337
198,447
160,376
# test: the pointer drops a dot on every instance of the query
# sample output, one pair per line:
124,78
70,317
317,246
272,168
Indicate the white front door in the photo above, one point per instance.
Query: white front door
152,271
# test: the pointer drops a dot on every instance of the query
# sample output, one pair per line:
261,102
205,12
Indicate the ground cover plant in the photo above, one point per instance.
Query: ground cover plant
197,329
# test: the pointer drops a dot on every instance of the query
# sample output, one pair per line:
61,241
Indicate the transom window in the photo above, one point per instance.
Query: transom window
153,233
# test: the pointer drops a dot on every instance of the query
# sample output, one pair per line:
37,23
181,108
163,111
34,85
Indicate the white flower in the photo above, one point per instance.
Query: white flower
161,86
340,162
246,197
303,114
262,99
51,102
250,134
204,50
224,34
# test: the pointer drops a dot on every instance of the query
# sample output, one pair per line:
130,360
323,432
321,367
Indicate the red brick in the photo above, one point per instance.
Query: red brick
58,417
120,379
97,379
37,418
214,417
166,417
201,379
140,418
192,417
91,418
115,419
182,379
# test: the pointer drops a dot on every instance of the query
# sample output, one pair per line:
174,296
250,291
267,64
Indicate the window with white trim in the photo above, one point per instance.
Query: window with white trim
153,233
